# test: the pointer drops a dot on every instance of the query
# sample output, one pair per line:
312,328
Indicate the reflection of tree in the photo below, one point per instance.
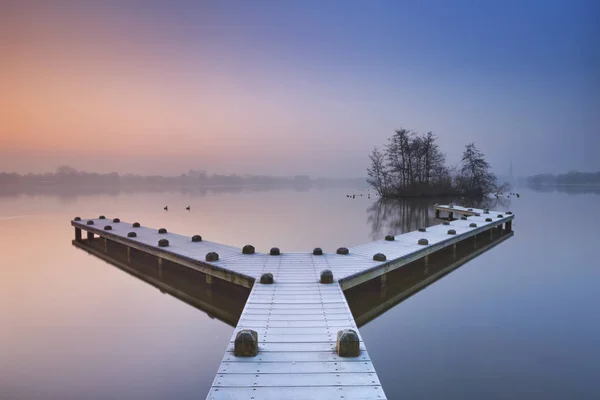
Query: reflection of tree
397,216
493,203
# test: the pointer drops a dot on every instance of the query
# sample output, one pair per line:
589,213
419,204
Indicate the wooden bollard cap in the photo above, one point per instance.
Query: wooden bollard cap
246,343
266,278
348,343
326,276
379,257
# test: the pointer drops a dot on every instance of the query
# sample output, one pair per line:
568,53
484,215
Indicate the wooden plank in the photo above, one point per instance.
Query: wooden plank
299,324
298,393
292,367
295,331
297,317
295,357
298,379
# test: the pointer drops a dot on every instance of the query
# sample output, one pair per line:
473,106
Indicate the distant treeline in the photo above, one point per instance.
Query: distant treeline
68,176
412,165
570,178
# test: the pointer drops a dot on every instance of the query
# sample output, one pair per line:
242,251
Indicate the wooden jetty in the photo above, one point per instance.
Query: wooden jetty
296,337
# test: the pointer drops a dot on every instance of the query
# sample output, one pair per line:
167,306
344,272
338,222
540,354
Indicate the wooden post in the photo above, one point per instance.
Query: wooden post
451,216
437,214
508,226
160,272
90,235
209,279
128,255
426,259
454,251
78,234
105,245
474,241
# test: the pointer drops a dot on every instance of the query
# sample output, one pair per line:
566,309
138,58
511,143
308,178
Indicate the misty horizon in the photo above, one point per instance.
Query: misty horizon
158,88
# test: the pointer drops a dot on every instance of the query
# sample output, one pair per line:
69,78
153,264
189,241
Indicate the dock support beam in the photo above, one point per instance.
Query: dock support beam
508,226
90,235
128,255
437,214
451,216
209,279
160,267
78,234
383,286
105,245
454,251
426,259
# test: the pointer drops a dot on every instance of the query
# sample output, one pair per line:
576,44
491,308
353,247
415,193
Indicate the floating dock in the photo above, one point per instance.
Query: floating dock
296,337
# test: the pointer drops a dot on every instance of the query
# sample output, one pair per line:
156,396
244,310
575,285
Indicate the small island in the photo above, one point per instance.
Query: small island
411,164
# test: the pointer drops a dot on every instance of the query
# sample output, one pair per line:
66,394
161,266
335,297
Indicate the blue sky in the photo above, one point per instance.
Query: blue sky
518,78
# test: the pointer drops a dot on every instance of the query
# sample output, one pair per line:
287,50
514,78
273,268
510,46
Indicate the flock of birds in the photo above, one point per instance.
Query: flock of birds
187,208
353,196
508,196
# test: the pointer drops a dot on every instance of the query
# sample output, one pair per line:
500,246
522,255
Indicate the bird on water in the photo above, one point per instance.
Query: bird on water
166,208
188,208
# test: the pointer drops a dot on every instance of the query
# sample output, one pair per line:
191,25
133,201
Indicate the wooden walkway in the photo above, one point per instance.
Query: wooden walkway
296,317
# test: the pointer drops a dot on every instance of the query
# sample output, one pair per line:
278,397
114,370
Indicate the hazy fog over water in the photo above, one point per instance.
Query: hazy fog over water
295,87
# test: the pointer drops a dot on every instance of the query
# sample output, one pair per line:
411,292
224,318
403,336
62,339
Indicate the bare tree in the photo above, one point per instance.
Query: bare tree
378,175
475,171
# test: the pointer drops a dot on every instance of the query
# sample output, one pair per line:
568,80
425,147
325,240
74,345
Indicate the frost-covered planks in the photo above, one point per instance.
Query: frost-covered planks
297,325
181,249
405,248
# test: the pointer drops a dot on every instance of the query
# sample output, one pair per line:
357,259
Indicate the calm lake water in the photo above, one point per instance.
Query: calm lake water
521,321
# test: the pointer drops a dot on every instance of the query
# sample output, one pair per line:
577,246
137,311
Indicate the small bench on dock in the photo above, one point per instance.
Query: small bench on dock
296,337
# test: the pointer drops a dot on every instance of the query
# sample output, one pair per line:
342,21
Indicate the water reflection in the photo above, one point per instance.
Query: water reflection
218,299
371,299
225,301
396,216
